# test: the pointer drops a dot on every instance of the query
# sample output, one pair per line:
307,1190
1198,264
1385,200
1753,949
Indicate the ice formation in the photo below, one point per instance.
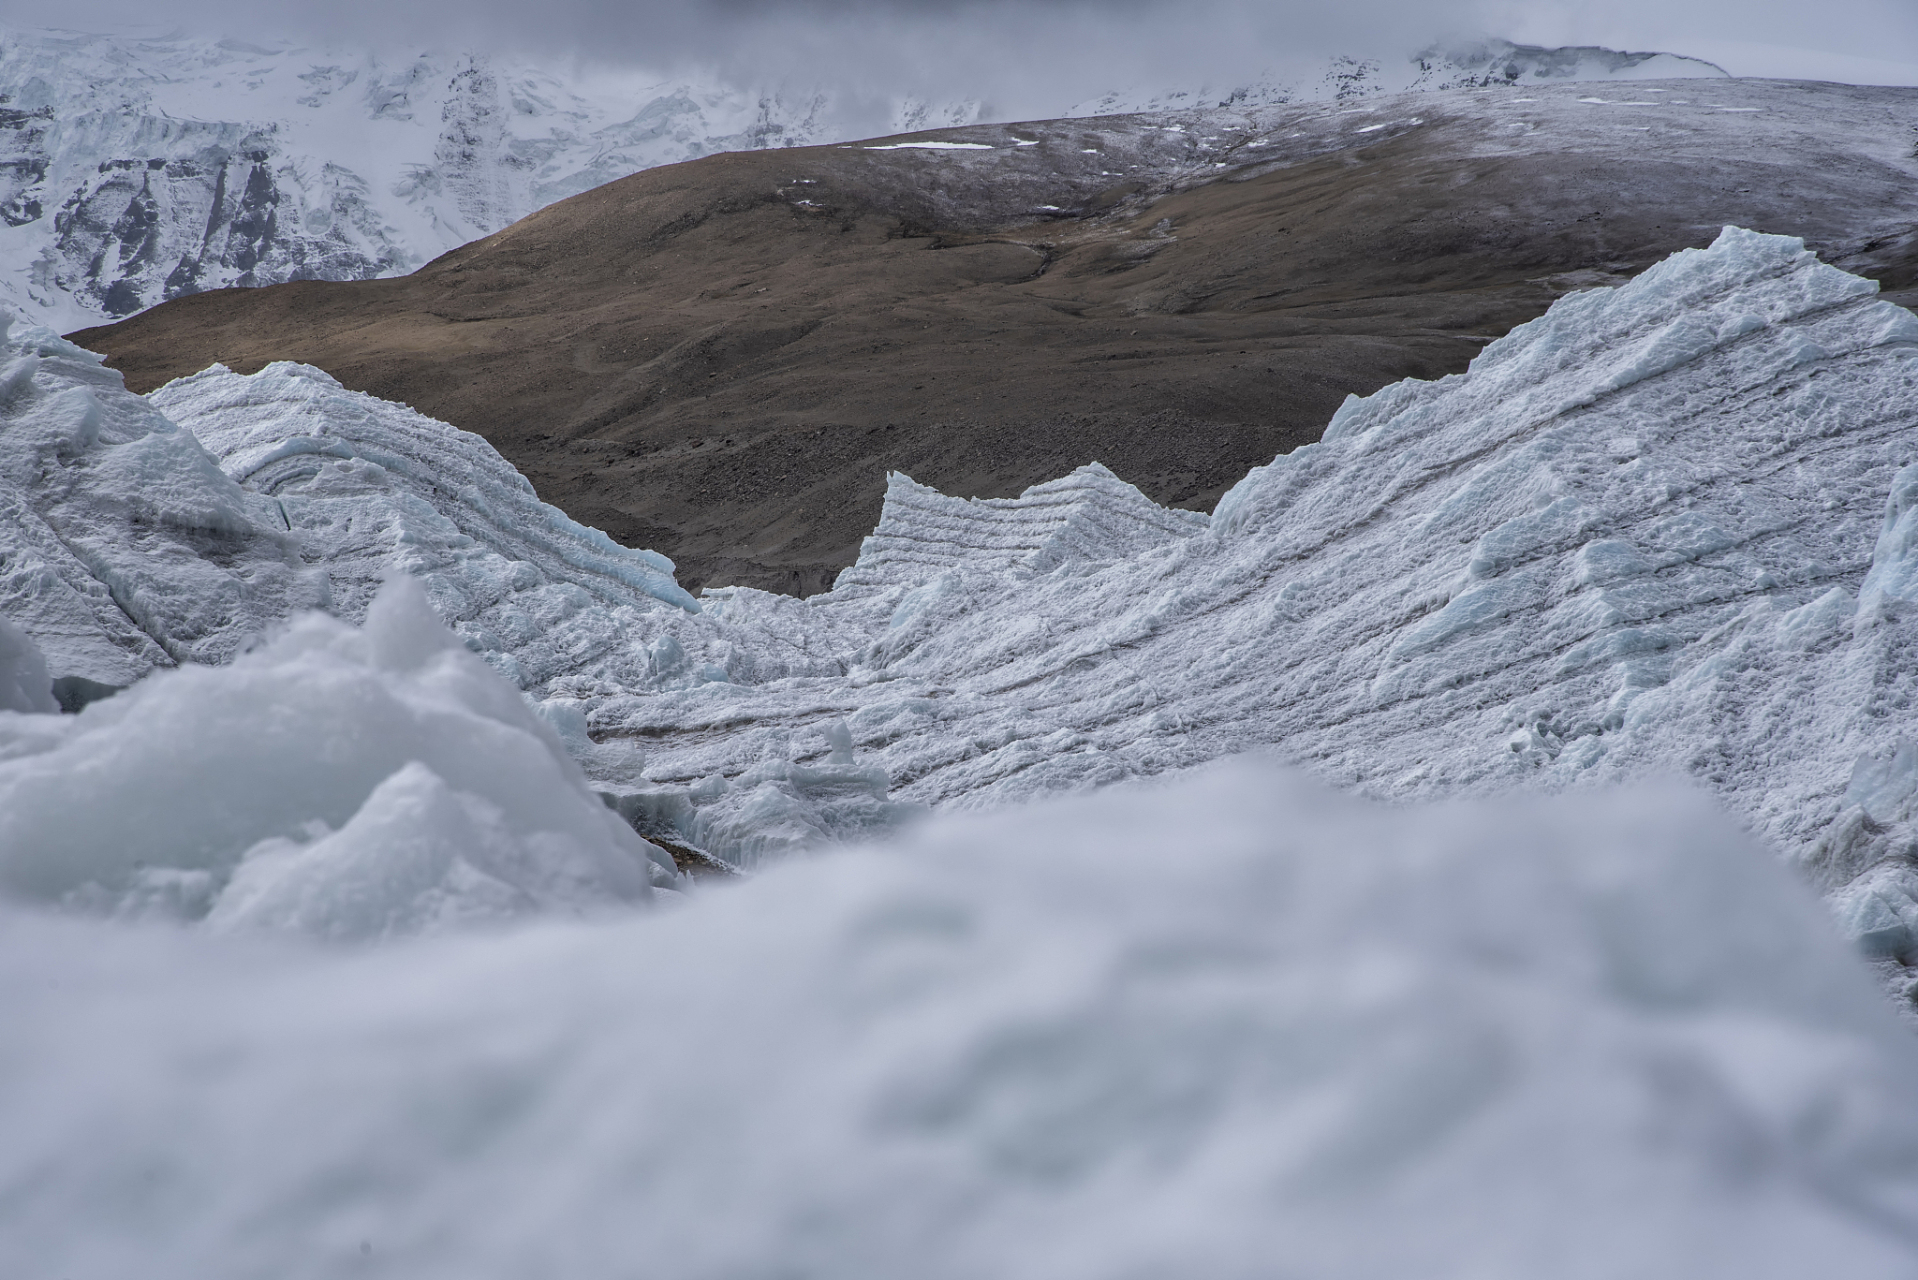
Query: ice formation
370,488
122,546
1085,518
132,544
1666,528
335,782
1230,1027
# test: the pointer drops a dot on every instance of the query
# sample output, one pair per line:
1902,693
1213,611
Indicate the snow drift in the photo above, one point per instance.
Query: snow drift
1233,1027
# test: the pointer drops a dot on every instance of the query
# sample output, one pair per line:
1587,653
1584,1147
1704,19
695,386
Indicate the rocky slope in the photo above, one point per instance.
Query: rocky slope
722,359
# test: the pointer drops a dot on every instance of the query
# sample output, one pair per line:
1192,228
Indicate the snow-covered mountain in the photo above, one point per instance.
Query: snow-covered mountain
140,170
1478,64
137,170
1669,528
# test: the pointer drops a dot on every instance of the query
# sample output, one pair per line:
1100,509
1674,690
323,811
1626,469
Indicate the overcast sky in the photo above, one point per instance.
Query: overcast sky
1043,50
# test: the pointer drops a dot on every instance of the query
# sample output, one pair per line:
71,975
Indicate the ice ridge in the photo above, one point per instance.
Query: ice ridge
1665,528
122,545
369,487
1087,517
1631,538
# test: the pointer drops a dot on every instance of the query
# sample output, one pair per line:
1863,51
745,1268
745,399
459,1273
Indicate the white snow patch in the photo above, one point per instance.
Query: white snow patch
931,146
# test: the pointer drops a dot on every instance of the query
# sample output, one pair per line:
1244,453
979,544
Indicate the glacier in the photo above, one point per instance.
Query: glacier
1664,529
1661,529
1205,914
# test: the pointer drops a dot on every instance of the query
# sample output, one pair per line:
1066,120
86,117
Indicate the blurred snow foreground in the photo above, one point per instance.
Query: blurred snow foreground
1235,1026
1228,1024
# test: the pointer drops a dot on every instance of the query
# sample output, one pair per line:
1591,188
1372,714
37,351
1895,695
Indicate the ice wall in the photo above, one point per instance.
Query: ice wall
368,488
1088,517
1632,539
122,546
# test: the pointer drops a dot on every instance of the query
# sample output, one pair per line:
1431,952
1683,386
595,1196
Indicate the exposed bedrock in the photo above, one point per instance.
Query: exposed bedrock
722,359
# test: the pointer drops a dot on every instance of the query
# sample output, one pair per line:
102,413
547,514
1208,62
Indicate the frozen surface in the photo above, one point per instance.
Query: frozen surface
1235,1027
24,683
1667,528
368,488
122,545
336,782
1083,518
1632,539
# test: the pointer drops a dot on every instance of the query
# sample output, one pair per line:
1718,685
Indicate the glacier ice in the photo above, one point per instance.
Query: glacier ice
335,782
370,488
122,545
1216,1027
1664,529
1086,517
24,682
1208,1024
